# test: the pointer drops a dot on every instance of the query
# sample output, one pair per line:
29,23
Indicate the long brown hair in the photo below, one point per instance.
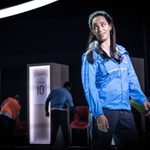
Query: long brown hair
92,37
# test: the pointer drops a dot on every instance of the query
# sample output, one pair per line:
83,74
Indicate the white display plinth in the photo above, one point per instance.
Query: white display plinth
41,79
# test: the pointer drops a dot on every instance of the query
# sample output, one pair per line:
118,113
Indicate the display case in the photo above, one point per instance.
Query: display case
42,78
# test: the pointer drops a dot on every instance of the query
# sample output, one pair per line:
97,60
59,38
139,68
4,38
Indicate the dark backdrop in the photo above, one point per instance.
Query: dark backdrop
58,33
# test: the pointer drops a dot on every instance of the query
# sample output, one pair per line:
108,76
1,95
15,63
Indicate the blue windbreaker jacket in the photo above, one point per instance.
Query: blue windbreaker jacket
108,84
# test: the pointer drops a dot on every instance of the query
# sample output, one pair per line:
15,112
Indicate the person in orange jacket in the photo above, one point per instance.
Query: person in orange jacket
9,117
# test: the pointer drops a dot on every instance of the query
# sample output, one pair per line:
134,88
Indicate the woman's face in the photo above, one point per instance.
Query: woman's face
100,28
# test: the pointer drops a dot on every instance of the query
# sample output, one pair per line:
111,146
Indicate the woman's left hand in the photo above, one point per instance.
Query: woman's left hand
146,106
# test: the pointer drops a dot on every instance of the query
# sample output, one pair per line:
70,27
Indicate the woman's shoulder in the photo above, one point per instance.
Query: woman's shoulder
90,53
121,49
92,46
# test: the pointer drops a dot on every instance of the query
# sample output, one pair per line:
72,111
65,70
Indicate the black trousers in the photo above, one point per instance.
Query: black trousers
59,118
121,127
7,126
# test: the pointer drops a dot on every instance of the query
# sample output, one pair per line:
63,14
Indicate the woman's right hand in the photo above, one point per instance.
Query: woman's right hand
102,123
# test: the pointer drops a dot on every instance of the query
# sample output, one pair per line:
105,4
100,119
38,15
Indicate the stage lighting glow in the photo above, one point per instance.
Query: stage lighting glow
21,8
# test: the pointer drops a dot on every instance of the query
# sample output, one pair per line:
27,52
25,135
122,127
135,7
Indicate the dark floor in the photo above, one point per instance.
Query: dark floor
79,142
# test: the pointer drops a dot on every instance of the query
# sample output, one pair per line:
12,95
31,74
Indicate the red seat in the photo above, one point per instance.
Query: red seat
80,123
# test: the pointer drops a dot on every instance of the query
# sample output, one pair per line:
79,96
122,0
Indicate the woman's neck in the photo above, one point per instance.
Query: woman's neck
106,47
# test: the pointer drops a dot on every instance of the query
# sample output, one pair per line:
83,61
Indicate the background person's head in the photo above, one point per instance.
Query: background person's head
67,85
18,98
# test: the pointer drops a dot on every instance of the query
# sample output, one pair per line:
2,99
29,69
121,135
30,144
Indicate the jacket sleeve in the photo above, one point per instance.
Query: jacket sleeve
47,101
88,74
135,91
69,99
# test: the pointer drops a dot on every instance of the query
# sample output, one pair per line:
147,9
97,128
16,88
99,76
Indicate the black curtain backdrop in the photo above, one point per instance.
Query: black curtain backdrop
58,33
